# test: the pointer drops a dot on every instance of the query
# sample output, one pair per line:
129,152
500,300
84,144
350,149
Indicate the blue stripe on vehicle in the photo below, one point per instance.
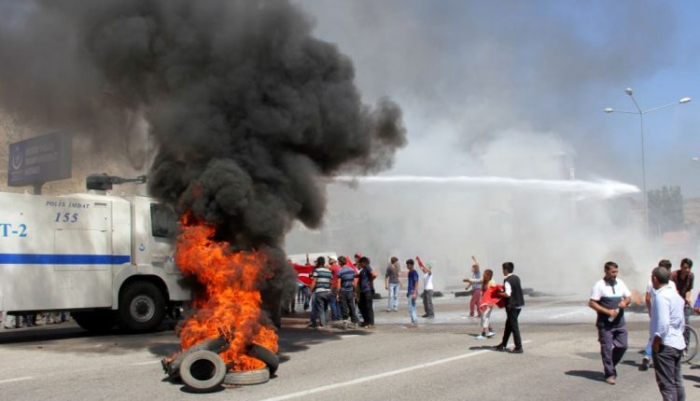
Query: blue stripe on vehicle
52,259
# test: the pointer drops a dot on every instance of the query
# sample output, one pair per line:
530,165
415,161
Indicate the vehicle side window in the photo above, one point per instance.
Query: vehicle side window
164,222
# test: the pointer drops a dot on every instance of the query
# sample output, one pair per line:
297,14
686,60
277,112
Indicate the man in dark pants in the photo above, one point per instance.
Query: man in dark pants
321,287
513,294
346,293
366,288
609,297
667,326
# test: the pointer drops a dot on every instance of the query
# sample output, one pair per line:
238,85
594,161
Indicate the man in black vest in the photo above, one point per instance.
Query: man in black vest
514,302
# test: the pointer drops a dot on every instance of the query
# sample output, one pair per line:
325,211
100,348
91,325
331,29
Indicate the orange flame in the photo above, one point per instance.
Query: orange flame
230,303
637,299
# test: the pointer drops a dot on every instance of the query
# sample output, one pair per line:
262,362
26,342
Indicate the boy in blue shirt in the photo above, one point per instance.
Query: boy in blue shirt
412,292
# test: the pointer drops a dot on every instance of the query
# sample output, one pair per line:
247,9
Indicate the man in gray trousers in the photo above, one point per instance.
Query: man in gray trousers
666,327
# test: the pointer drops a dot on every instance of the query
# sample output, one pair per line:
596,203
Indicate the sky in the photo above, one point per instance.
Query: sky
500,88
518,89
473,74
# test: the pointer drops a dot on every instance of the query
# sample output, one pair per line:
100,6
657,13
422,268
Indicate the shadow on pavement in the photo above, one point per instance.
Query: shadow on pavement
294,336
483,347
635,364
586,374
16,336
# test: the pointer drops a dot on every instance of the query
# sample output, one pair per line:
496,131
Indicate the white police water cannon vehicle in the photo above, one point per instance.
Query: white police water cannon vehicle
106,259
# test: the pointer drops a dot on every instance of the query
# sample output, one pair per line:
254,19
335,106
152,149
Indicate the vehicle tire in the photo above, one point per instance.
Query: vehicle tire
271,360
141,307
692,350
97,322
202,371
247,377
217,346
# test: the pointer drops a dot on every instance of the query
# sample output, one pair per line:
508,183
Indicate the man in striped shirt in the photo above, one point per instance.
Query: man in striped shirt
321,287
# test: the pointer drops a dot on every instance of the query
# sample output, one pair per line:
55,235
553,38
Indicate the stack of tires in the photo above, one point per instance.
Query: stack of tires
202,370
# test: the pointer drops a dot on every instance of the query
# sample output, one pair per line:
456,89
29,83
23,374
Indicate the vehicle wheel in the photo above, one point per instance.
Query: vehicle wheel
692,348
97,322
141,307
265,355
247,377
202,371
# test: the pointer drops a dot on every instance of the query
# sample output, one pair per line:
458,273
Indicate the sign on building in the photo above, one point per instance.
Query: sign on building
39,159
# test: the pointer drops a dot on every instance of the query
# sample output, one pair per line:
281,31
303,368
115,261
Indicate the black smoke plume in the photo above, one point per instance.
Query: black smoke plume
249,111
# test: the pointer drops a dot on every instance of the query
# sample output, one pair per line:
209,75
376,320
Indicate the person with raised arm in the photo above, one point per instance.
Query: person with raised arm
427,288
474,282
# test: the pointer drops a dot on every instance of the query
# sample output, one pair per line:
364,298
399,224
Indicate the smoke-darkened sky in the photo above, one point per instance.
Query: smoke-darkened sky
494,88
471,74
517,89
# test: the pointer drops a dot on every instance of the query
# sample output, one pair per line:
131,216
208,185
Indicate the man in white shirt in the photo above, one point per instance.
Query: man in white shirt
665,263
667,327
427,289
609,297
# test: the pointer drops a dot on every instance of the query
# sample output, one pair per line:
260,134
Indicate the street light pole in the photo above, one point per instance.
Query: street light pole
641,114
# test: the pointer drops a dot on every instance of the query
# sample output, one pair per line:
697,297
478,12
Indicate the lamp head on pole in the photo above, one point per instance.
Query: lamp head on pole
685,100
628,91
609,110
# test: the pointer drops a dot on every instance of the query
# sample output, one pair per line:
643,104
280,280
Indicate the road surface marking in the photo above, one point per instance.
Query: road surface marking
379,376
144,363
18,379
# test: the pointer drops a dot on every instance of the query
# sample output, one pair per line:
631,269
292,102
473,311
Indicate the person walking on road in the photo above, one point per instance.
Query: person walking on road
392,284
609,297
513,293
474,282
486,307
412,293
667,327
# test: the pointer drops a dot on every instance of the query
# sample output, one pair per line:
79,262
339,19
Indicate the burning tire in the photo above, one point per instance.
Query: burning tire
202,371
172,367
96,321
265,355
248,377
141,307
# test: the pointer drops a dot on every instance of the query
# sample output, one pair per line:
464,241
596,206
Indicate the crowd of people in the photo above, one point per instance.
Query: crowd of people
669,306
342,292
668,300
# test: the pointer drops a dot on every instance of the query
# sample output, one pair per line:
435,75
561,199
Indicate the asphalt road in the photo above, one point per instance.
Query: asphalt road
440,360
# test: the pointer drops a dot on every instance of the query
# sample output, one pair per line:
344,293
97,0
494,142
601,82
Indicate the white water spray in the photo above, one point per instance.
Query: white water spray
580,189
